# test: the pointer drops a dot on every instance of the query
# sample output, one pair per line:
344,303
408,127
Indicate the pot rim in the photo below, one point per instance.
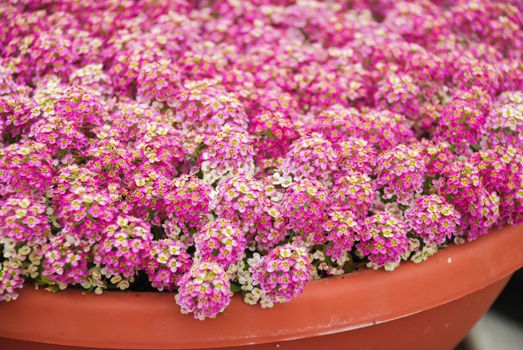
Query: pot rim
138,320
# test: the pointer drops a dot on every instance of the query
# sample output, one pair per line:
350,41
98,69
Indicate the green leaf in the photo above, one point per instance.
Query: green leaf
46,281
235,287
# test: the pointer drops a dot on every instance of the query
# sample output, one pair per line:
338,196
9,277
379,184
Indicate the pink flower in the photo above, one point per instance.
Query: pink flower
244,201
401,172
304,209
24,219
25,166
311,157
462,185
432,219
383,240
342,228
10,281
282,273
65,259
123,247
168,261
204,291
220,241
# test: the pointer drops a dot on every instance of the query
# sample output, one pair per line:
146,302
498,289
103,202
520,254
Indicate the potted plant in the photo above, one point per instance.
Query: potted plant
205,156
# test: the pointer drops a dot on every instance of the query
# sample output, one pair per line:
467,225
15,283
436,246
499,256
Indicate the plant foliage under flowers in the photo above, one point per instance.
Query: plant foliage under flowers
206,148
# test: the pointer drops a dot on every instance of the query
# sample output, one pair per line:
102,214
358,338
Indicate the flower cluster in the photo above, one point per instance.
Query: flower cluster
205,106
342,228
25,167
65,260
228,152
16,115
505,120
311,157
187,203
206,148
303,208
501,172
463,118
121,247
159,147
274,132
478,207
244,200
384,240
205,290
355,192
220,241
356,154
10,281
283,272
83,210
146,193
67,117
401,172
158,82
432,219
168,262
24,219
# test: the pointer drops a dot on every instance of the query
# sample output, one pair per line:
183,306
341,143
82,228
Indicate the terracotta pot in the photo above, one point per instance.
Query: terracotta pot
419,306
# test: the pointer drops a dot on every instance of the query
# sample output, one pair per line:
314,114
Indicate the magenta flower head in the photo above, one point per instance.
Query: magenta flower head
399,93
463,185
229,152
65,260
158,82
433,219
463,119
501,170
311,157
274,132
122,250
244,201
220,241
336,123
11,281
401,172
16,115
93,77
356,192
383,240
304,209
382,129
25,166
84,210
504,122
159,146
282,273
438,157
68,117
24,219
204,105
342,229
356,154
167,262
205,291
187,203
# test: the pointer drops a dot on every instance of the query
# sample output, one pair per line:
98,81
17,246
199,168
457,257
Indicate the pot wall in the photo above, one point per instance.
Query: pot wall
439,328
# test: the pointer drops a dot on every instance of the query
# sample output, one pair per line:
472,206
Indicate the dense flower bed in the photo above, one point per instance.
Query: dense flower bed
207,148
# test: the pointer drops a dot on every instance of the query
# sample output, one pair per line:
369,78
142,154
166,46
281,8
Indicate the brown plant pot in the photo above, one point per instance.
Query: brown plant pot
418,306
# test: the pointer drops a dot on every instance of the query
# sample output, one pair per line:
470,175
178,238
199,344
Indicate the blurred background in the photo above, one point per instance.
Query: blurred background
502,327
